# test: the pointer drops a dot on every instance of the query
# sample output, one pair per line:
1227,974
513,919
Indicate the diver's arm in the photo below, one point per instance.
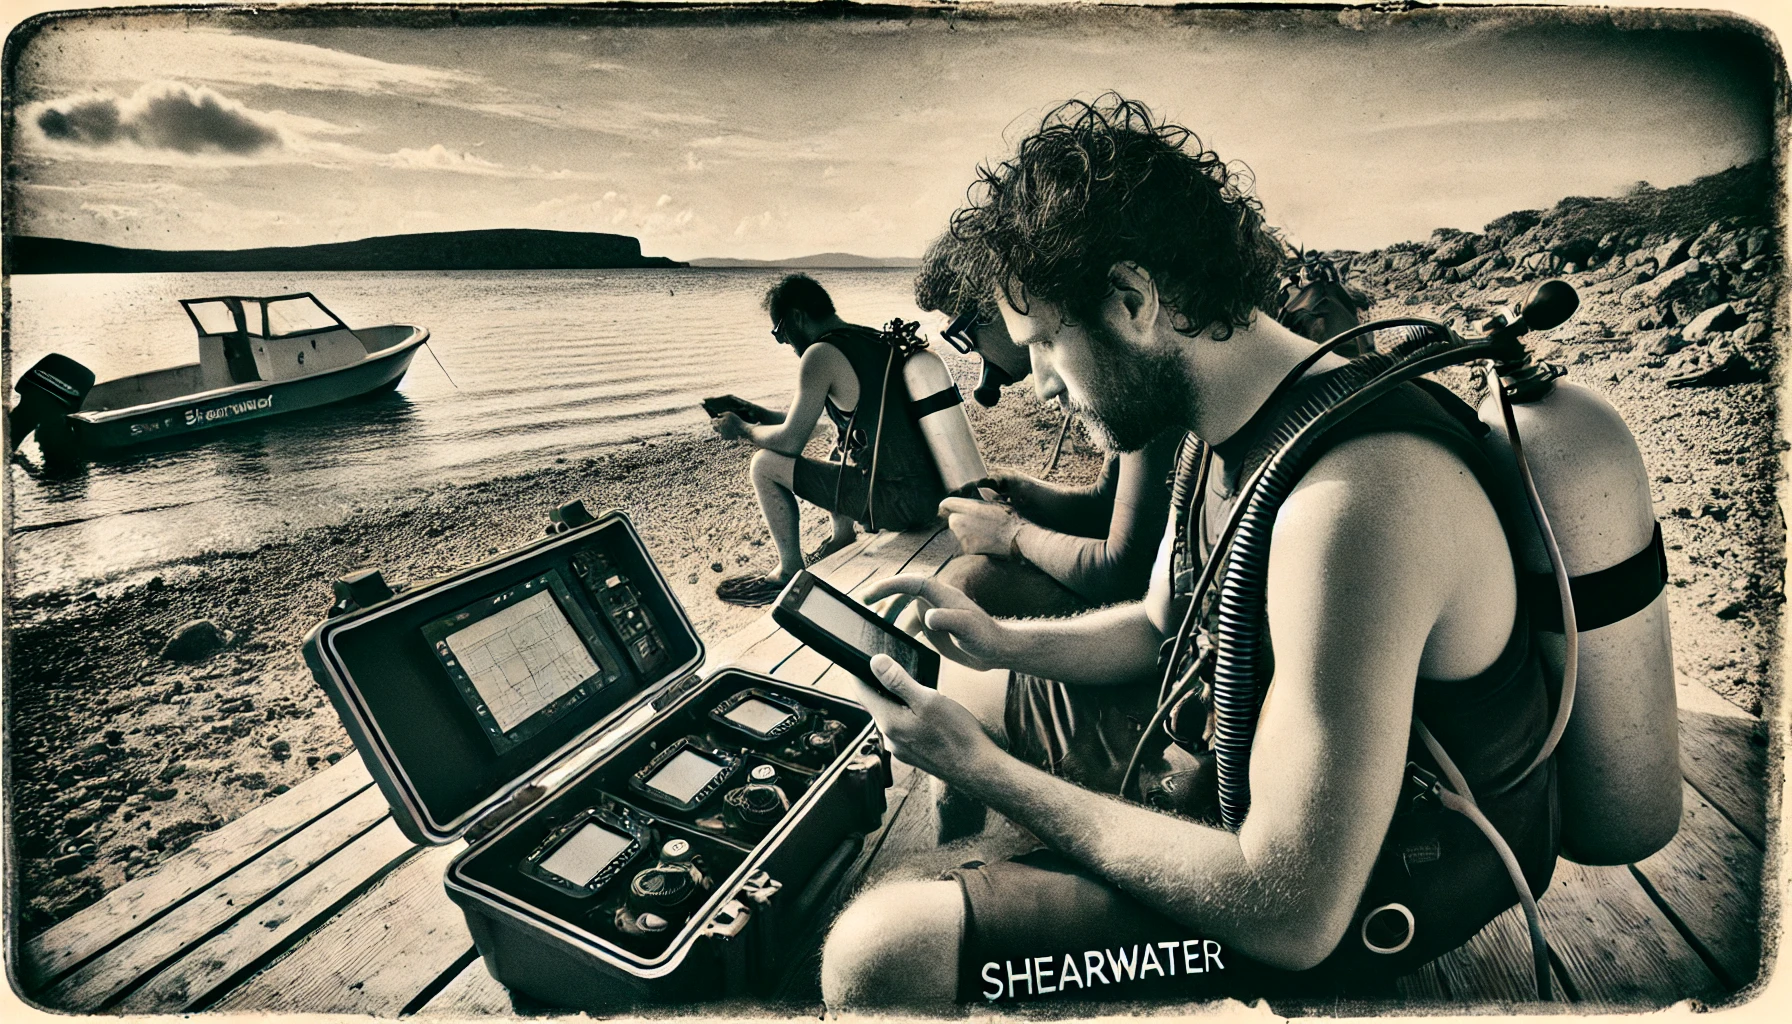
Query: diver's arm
1114,566
822,364
1358,578
1081,510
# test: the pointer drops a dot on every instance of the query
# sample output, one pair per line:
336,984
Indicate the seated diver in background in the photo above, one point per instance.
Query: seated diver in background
849,374
1044,549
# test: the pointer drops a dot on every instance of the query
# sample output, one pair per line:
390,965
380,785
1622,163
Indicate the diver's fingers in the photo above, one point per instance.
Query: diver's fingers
950,506
936,592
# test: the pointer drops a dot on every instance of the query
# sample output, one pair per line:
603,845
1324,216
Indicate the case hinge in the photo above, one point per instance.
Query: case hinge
675,691
360,589
502,813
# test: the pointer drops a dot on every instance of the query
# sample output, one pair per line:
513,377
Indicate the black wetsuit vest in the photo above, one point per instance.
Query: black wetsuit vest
1434,861
902,457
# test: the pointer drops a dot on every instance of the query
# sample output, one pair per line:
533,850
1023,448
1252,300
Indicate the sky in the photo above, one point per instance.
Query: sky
763,135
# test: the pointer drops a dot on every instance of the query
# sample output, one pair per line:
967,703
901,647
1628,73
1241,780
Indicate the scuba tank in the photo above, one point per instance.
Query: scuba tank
54,387
1618,759
937,408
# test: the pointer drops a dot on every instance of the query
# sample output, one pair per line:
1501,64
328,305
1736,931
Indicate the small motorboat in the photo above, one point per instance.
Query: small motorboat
258,357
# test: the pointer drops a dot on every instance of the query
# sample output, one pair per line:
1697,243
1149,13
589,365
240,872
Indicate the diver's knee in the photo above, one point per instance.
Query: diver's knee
771,467
895,944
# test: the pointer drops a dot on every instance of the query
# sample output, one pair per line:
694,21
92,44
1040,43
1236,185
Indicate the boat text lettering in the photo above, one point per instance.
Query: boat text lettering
224,412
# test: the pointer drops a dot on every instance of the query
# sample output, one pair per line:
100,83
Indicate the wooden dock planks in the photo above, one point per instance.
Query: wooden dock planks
68,943
216,965
374,957
95,983
1725,759
1708,880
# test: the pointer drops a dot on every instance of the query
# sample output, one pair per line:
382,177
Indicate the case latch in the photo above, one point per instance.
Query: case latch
569,516
360,589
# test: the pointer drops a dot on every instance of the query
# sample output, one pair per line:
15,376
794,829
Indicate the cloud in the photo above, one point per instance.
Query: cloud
166,116
440,158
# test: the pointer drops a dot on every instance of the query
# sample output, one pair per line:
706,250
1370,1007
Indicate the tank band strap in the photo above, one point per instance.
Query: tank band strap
1604,597
945,398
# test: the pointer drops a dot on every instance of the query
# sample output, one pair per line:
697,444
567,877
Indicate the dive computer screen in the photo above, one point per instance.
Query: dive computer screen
757,715
857,629
518,659
584,856
686,775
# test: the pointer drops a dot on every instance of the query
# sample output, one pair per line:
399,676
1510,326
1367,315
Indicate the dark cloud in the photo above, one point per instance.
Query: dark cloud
175,117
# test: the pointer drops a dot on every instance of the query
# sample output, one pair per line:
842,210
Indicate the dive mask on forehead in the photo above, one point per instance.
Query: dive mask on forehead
990,382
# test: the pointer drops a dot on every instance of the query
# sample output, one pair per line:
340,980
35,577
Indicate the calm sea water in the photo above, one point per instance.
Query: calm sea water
549,364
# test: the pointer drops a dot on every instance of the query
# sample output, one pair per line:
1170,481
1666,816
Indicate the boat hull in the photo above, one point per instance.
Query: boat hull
92,433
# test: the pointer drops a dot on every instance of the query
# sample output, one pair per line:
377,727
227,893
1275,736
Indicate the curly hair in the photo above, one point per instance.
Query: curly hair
951,280
1101,183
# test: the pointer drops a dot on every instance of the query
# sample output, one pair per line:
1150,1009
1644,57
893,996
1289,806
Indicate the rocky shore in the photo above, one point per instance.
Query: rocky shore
149,709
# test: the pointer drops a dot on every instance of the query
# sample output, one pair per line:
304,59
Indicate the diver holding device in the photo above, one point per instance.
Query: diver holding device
849,634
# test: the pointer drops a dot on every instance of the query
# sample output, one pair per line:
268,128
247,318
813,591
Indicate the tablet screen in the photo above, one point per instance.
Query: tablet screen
856,626
586,854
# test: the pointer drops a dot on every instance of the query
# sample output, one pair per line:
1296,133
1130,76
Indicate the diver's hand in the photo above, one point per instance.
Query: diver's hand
730,426
953,623
927,729
982,527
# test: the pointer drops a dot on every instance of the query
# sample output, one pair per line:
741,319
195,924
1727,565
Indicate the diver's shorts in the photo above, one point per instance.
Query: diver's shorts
1038,927
901,504
1085,734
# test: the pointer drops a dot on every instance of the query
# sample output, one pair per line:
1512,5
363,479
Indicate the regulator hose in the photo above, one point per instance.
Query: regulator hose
1236,696
1420,333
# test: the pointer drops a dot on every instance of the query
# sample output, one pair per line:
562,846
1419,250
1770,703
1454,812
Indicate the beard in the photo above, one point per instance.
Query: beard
1135,396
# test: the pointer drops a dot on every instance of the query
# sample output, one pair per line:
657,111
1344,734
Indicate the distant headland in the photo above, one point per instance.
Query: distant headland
496,249
819,261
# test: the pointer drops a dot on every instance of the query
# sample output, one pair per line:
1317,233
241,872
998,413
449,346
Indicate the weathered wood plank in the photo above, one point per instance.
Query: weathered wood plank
90,986
1425,985
1616,946
1496,966
374,957
201,973
1709,878
1725,759
472,993
68,943
803,667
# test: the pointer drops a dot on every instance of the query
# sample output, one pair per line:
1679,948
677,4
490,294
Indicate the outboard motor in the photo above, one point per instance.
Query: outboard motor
48,392
1618,758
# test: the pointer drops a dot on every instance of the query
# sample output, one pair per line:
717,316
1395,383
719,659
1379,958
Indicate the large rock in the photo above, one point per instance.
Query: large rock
1719,318
1456,250
195,641
1670,253
1659,344
1671,283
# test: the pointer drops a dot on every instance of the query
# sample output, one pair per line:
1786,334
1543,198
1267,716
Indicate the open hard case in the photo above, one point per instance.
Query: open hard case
637,831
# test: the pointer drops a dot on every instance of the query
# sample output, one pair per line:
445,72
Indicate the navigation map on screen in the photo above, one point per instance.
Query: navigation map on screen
522,659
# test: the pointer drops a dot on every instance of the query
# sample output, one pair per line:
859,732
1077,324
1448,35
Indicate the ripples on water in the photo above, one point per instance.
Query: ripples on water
549,364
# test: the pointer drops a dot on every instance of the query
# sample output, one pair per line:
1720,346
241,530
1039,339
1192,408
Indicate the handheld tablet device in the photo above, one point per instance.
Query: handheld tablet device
847,633
720,404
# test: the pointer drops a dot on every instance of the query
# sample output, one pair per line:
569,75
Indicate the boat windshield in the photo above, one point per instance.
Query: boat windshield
213,317
297,315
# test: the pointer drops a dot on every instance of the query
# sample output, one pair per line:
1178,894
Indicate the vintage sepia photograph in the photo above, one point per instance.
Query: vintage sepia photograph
800,509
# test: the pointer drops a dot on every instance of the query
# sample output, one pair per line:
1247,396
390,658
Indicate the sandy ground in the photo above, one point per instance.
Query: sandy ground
121,757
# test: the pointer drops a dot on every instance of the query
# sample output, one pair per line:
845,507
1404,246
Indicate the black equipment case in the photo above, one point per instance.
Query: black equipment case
637,832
